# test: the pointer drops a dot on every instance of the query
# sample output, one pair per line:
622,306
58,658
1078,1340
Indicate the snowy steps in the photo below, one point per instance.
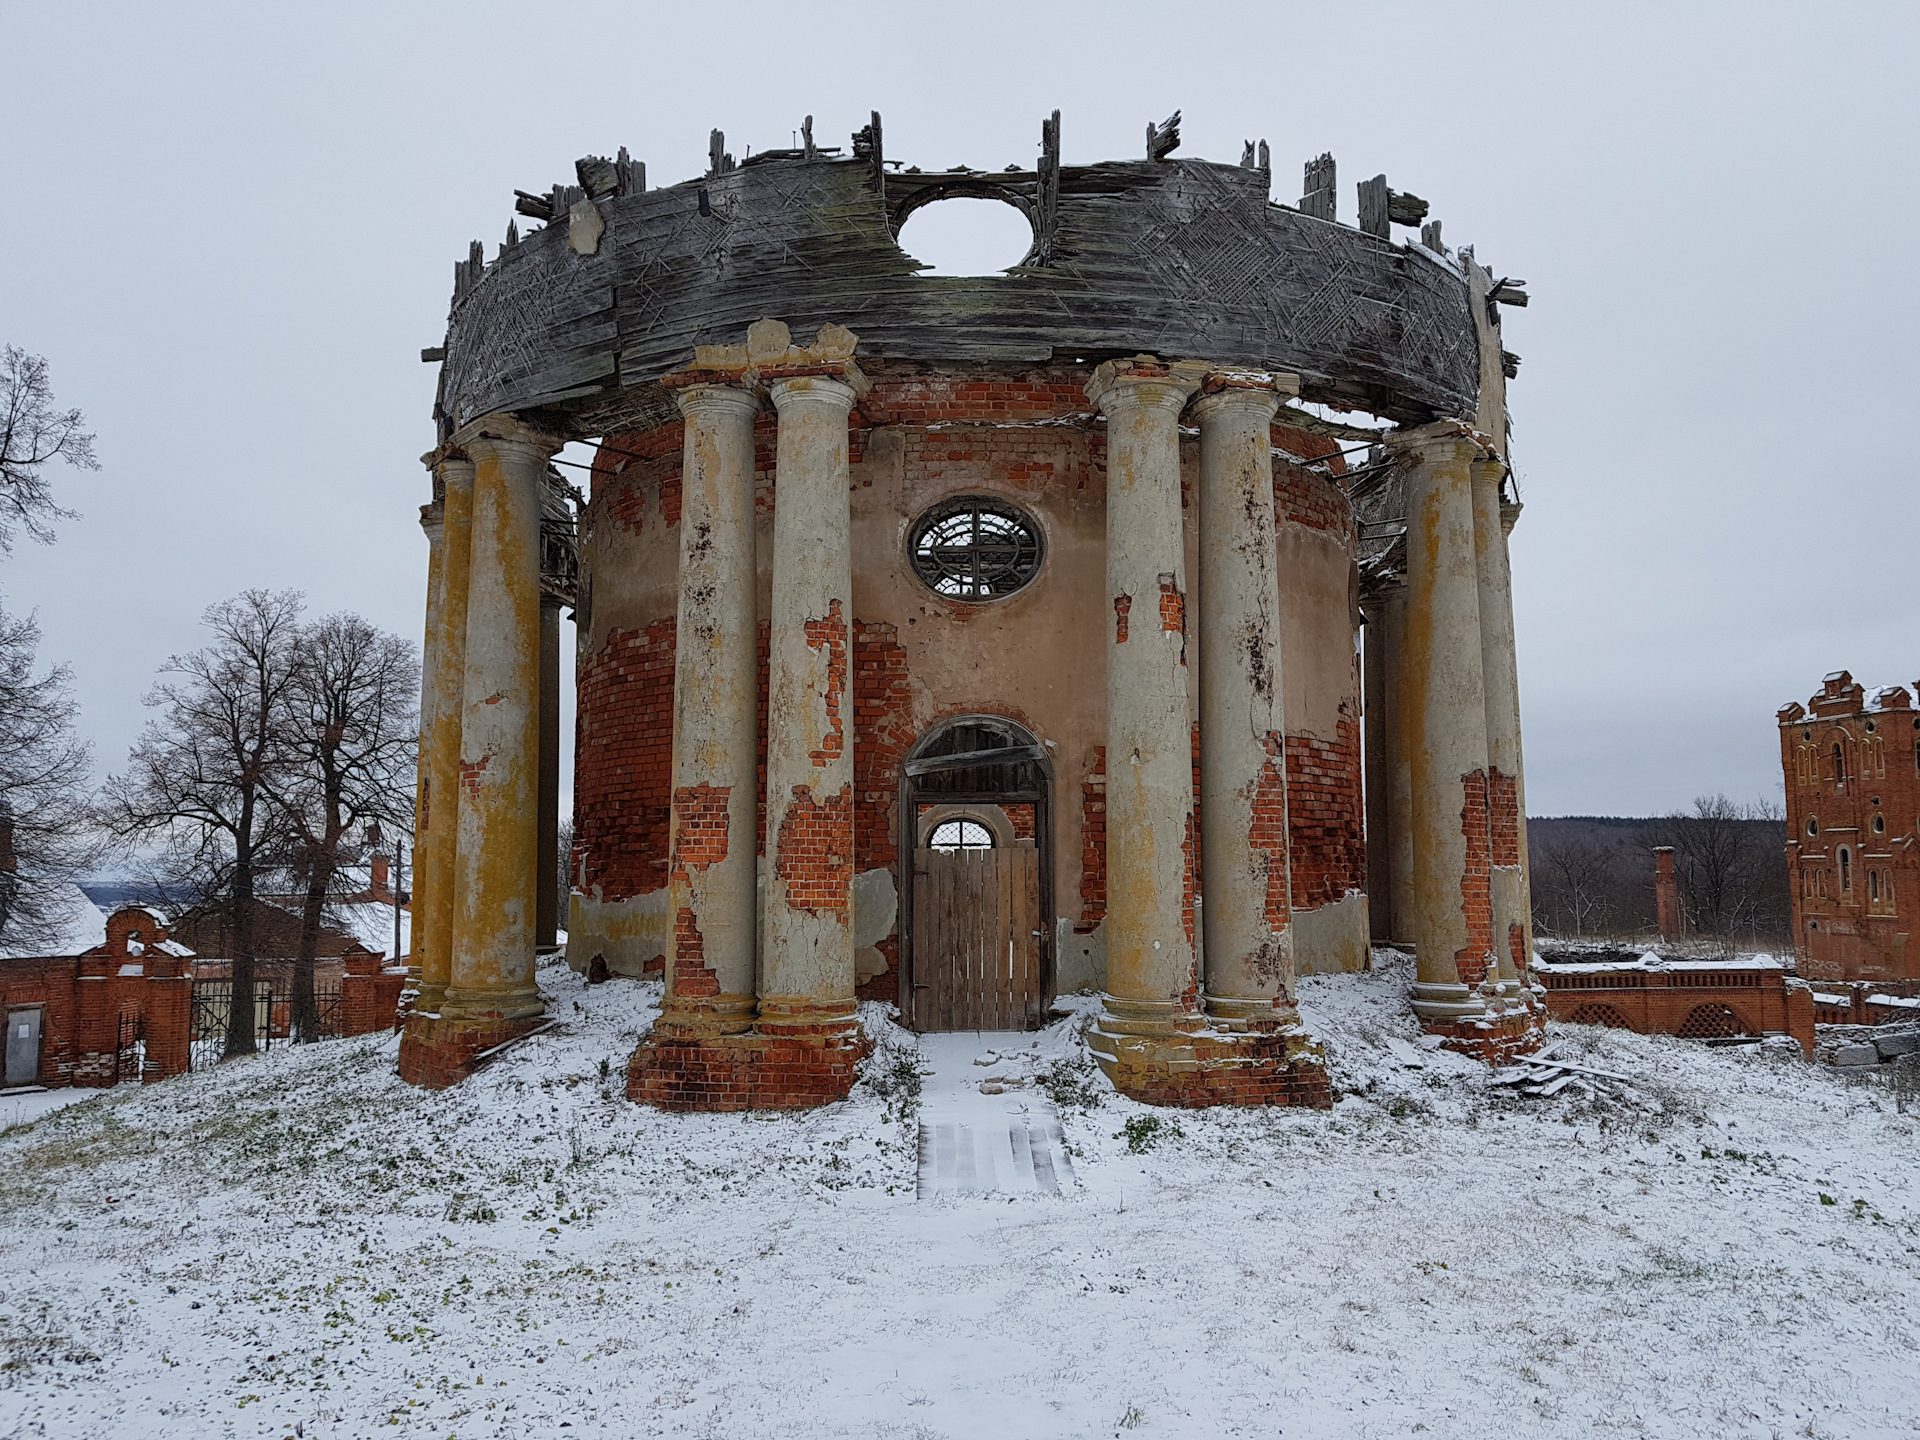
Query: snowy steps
1021,1155
985,1128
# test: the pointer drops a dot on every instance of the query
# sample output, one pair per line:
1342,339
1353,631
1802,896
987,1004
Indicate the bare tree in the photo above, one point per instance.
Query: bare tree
197,781
32,435
46,835
351,734
1576,886
1728,859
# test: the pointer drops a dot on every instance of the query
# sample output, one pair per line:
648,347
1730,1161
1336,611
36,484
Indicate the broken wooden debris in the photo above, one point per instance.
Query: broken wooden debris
868,145
1508,292
1316,191
1430,237
1163,139
433,354
719,162
1542,1074
534,207
1509,364
1381,207
1405,209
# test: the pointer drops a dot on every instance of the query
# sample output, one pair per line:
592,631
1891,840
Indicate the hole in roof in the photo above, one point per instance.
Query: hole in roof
966,235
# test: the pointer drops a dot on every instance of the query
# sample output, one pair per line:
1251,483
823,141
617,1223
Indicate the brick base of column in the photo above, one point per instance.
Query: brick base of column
1193,1071
745,1072
1499,1041
436,1053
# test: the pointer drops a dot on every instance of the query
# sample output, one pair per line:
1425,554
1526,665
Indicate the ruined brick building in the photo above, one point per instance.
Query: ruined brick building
1852,765
960,641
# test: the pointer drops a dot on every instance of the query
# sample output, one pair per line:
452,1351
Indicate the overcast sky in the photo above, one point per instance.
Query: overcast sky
231,229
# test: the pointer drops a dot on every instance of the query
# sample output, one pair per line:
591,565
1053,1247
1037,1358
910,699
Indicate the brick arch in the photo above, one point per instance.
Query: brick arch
1711,1021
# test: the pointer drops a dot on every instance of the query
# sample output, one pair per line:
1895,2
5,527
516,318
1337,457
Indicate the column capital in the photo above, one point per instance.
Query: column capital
1262,402
838,386
1453,440
505,433
1232,377
433,520
1145,380
442,455
699,392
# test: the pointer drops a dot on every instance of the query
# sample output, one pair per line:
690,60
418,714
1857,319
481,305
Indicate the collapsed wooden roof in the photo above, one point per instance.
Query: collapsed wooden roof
1181,258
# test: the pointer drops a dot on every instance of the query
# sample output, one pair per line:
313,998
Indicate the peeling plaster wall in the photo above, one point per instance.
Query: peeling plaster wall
1037,657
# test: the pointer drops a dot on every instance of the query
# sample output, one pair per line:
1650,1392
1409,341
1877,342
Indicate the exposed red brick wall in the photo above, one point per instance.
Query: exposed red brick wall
1303,498
1173,612
1503,817
882,735
1021,818
1326,828
700,825
816,851
1270,831
623,768
1122,604
1093,845
829,633
1476,880
1039,394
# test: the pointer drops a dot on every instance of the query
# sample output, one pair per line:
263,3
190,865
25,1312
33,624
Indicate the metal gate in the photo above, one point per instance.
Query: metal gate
130,1051
272,1017
976,939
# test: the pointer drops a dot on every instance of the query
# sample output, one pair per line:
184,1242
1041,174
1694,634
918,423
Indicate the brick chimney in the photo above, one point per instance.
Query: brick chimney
378,886
1666,893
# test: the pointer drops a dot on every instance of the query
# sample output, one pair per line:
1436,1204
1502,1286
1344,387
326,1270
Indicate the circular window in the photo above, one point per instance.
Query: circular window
1879,824
975,549
1813,825
951,835
1869,727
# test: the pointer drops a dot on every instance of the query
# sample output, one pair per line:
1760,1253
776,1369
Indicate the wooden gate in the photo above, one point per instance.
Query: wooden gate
976,940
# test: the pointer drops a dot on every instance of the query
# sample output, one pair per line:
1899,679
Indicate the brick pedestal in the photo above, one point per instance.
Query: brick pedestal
744,1072
1211,1067
437,1052
1499,1041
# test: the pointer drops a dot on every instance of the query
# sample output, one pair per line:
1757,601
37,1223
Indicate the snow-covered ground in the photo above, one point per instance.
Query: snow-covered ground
299,1245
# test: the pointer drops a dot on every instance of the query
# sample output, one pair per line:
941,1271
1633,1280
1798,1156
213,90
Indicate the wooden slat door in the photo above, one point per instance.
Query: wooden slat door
976,946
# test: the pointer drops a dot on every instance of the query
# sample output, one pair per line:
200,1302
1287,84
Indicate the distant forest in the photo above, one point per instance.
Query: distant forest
1593,874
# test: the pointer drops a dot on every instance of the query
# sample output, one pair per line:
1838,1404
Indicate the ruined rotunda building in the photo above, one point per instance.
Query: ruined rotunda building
959,642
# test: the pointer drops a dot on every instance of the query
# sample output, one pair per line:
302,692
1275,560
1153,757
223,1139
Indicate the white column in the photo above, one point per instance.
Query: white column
1247,910
1152,987
806,975
710,986
1446,729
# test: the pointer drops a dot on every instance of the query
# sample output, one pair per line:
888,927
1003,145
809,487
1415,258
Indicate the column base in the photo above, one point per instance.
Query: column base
438,1051
752,1071
1251,1017
1214,1067
477,1007
1497,1040
704,1016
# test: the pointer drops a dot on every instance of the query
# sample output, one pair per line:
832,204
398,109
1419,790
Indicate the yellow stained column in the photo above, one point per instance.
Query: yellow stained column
442,704
494,876
432,522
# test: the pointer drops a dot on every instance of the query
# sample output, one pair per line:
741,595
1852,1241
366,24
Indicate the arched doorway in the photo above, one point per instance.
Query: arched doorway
976,921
